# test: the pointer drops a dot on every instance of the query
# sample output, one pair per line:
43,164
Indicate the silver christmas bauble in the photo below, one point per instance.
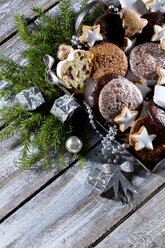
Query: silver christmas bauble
73,144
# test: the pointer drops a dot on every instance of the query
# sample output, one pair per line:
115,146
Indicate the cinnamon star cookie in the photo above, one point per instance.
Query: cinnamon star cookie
158,142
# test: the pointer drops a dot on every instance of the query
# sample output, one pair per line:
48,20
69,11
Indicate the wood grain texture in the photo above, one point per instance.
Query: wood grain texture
17,185
8,9
144,229
69,214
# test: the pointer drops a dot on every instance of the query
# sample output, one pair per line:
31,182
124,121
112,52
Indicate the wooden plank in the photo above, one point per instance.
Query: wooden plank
10,8
17,185
68,214
144,229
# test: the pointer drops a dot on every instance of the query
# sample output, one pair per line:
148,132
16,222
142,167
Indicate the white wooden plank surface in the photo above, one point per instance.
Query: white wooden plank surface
10,8
68,214
144,229
16,185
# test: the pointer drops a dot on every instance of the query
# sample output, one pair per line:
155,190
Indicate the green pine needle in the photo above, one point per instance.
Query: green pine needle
40,132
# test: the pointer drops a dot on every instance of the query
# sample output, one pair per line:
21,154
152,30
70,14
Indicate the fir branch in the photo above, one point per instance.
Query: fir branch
40,132
66,16
24,32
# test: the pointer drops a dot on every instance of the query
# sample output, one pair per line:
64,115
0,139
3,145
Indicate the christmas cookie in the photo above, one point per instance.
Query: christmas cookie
159,96
63,51
116,95
94,95
147,140
159,35
154,18
108,58
155,5
91,34
156,114
75,70
128,44
161,74
126,119
111,28
132,22
145,59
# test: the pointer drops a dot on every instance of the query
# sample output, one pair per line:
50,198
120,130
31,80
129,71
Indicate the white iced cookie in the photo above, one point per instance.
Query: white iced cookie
91,34
128,44
161,73
75,70
159,96
159,35
143,139
126,118
155,5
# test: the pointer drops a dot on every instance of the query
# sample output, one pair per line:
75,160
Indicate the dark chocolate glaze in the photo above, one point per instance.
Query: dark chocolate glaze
154,18
94,96
111,28
156,114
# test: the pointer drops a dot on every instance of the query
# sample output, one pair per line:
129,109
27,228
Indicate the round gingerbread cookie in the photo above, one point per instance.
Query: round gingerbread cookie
145,59
111,28
94,95
154,18
158,142
108,58
116,95
156,114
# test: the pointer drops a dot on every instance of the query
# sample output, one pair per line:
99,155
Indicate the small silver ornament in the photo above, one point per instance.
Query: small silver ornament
30,98
73,144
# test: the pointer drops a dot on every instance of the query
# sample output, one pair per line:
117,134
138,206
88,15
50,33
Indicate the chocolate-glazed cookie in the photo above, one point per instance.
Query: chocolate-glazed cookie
94,95
154,18
145,59
117,94
158,151
157,114
111,28
108,58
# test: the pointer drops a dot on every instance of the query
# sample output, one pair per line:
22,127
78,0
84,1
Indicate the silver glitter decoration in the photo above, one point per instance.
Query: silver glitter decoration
30,98
110,177
114,154
91,118
50,69
113,9
73,144
64,107
75,42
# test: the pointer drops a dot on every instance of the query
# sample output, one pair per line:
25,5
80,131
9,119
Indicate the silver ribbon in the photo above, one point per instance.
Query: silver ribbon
110,177
50,71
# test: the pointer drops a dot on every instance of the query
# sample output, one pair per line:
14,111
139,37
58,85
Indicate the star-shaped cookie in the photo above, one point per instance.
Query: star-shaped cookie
132,22
143,87
161,74
126,118
143,139
128,44
155,5
159,33
91,34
